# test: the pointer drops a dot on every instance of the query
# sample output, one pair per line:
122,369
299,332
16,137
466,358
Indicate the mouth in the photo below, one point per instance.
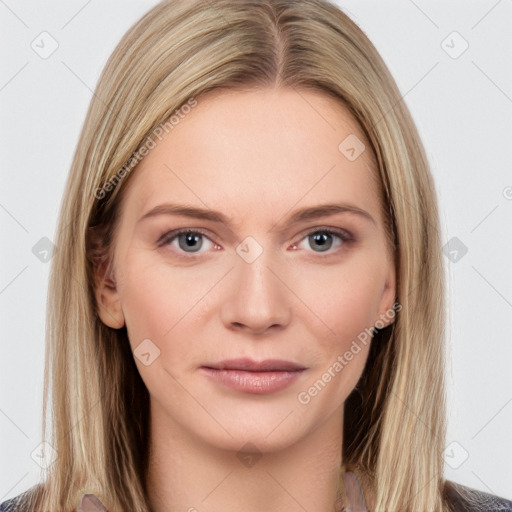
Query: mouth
248,376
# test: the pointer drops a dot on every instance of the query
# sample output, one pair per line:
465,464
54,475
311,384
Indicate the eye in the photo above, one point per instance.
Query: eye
191,241
322,239
188,240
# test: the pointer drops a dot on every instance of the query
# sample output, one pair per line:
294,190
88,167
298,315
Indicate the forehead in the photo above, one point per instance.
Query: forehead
239,150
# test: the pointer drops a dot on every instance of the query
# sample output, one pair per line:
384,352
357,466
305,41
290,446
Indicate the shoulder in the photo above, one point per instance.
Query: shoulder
467,499
16,504
11,505
460,497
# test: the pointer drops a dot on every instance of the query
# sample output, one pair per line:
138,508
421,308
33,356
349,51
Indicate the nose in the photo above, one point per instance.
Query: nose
259,300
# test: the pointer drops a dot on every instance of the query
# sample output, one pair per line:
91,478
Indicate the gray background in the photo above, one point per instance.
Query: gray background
462,103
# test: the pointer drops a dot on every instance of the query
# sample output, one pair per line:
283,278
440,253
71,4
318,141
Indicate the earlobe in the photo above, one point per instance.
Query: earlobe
107,299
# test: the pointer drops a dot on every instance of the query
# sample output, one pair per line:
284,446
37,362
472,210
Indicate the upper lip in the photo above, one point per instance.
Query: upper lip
277,365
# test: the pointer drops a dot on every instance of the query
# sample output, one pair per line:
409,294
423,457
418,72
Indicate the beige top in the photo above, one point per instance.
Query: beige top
354,496
90,503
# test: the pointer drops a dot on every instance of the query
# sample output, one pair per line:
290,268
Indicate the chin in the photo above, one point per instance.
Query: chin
271,430
253,441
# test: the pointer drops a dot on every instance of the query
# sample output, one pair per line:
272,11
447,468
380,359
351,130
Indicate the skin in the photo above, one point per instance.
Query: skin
256,156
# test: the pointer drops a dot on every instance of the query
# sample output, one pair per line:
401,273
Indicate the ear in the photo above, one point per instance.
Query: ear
107,297
387,307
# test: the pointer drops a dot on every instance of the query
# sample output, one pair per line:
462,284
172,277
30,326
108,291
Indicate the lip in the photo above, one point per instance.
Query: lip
256,377
249,365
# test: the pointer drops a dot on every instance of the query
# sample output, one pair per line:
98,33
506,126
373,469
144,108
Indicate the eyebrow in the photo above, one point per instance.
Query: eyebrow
310,213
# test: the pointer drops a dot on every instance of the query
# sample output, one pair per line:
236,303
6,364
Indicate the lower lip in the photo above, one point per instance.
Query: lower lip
258,383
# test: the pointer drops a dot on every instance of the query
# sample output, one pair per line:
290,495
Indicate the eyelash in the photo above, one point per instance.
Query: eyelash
345,237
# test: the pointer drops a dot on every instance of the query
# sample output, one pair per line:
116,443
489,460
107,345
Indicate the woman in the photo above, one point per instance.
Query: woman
294,358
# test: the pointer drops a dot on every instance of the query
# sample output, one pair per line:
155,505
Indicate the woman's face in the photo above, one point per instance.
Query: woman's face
266,281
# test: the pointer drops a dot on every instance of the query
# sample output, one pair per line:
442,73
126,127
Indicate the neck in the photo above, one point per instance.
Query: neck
186,473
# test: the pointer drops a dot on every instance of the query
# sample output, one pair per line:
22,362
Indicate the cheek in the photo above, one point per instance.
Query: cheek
344,303
161,303
159,300
148,304
343,300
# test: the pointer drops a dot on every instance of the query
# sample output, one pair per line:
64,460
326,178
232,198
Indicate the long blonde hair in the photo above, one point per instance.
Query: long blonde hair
395,418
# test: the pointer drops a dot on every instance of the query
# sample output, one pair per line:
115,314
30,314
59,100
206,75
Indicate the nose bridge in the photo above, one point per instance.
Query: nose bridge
254,268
